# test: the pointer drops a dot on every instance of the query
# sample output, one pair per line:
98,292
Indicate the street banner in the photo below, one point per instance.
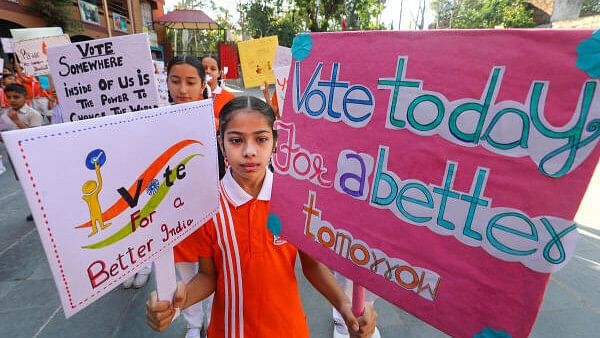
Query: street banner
32,53
440,176
104,77
256,60
111,195
281,81
7,45
20,34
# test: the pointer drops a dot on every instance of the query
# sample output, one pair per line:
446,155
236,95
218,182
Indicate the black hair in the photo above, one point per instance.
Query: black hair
218,66
16,88
245,102
188,60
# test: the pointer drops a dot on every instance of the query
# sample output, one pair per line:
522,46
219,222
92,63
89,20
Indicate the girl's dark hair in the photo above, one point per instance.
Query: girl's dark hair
16,88
245,102
188,60
218,65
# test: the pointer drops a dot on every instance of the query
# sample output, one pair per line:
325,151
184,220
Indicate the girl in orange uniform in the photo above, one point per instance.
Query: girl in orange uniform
242,259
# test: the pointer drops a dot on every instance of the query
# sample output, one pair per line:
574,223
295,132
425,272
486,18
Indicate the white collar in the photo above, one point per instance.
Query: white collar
237,196
217,90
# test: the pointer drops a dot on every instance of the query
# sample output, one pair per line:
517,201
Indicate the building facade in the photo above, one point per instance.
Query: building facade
92,19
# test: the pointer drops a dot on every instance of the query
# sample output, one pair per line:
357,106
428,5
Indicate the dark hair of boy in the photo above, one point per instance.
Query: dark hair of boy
15,88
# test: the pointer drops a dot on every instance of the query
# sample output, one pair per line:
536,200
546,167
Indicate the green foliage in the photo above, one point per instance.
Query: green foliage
56,13
445,11
363,14
285,18
482,13
590,7
265,18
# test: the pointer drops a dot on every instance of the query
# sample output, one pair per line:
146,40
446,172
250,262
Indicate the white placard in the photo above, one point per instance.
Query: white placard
20,34
283,57
104,77
146,180
32,53
281,84
161,83
7,45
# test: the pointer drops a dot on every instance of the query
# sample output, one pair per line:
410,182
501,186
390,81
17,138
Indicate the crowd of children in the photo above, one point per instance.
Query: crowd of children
264,276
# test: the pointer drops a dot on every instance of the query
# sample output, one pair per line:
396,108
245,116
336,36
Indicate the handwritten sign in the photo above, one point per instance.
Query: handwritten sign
109,212
283,57
160,74
440,176
256,60
281,82
7,45
20,34
104,77
32,53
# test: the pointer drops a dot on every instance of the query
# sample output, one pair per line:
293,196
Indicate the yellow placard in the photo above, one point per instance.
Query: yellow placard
256,59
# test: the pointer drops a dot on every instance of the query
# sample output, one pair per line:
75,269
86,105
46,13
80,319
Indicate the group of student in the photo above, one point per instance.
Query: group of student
233,270
32,97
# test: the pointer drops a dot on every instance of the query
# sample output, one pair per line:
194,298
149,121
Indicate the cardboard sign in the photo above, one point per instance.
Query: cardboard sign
281,82
20,34
283,57
121,191
104,77
440,176
32,53
7,45
256,60
160,74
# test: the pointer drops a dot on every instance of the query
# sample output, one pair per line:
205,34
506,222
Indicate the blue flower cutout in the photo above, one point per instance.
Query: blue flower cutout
588,55
153,187
488,332
274,224
301,46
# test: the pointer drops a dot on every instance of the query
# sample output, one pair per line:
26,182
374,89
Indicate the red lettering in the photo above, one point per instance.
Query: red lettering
101,273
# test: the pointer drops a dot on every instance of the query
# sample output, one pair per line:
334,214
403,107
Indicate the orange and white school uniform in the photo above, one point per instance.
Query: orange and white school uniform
257,292
26,114
220,98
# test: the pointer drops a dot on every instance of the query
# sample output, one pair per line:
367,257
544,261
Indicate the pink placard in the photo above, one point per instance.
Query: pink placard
440,169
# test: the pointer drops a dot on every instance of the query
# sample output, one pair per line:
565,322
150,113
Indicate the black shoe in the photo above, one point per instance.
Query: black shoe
29,218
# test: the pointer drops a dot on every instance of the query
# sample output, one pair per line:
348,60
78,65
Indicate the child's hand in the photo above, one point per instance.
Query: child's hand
12,114
363,326
159,314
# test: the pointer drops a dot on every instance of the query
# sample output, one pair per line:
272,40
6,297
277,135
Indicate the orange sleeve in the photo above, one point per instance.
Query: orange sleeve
198,244
221,100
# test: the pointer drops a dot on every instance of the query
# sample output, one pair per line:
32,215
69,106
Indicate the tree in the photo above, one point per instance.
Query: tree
325,15
363,14
419,19
445,12
590,7
483,13
266,18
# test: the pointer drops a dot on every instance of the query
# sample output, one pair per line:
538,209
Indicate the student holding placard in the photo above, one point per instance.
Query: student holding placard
219,94
242,258
185,81
19,115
